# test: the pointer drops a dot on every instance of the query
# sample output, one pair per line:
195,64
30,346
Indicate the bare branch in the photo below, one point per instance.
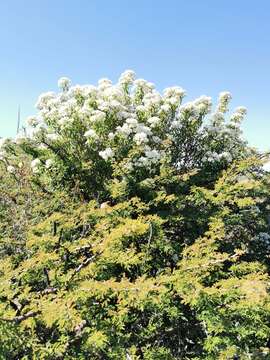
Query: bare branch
83,264
18,319
50,290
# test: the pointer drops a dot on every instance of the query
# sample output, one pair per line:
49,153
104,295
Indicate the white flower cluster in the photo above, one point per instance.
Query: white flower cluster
224,100
49,163
238,115
150,157
127,78
141,132
106,154
131,115
35,165
11,169
212,156
3,141
266,166
90,134
64,83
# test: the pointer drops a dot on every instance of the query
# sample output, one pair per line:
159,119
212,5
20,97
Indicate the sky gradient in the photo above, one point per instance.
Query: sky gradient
204,46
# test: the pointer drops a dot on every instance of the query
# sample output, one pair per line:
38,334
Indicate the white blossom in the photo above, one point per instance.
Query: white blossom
174,92
153,121
127,77
126,129
143,128
11,169
44,99
35,163
111,136
152,154
106,154
90,91
266,166
140,138
217,118
20,138
156,139
238,115
64,120
90,134
132,122
166,108
104,83
97,115
136,120
76,90
176,124
141,108
48,163
188,108
104,205
2,155
32,121
64,83
3,141
53,136
203,104
223,101
143,85
42,147
151,99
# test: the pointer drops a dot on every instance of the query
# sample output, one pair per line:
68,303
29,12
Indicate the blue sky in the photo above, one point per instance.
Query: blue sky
204,46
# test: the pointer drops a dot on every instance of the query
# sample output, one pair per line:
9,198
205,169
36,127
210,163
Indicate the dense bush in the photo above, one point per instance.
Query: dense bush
133,227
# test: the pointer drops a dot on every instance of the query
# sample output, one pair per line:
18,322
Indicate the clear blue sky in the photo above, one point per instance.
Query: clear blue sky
204,46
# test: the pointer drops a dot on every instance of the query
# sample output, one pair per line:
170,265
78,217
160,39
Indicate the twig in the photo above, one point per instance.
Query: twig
83,265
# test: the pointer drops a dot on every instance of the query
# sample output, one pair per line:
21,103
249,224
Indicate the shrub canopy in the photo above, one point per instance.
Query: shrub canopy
133,226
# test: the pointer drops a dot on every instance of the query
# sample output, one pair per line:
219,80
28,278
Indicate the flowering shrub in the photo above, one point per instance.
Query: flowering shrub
144,229
85,135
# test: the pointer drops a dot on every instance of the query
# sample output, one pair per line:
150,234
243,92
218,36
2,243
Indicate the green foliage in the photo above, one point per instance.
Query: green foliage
170,275
166,261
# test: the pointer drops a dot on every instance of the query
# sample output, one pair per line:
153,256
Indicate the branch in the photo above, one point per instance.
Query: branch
18,319
16,305
83,265
46,273
79,328
50,290
54,228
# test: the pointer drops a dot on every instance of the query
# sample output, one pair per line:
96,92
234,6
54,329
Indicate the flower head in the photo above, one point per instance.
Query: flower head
106,154
223,101
48,163
64,83
127,77
11,169
90,134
